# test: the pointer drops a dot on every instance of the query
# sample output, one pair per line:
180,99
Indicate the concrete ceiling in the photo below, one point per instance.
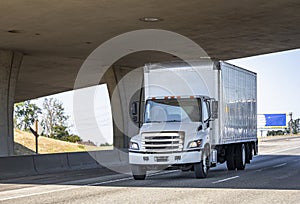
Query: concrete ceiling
57,35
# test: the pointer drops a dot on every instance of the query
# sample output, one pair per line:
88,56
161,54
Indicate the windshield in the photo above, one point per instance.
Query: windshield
173,110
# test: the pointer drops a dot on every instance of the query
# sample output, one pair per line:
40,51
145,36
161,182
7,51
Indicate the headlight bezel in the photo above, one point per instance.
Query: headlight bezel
195,144
133,145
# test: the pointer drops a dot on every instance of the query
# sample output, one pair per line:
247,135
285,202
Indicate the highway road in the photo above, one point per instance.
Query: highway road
272,177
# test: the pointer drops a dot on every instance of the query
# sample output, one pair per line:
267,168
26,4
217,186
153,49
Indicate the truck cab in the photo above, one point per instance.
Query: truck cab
175,134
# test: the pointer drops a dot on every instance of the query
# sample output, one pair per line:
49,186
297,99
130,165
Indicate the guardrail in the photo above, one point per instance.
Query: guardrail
26,165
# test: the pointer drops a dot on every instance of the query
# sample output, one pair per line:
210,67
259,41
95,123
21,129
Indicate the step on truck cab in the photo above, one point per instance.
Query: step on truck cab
196,114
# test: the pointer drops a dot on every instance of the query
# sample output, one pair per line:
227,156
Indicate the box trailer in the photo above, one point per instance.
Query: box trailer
195,115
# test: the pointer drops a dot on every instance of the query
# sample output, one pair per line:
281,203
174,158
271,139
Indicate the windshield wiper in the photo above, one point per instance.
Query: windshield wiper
154,121
167,121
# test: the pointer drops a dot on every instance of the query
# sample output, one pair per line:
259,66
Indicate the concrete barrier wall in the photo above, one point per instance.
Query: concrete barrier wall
16,166
107,157
50,162
79,160
46,163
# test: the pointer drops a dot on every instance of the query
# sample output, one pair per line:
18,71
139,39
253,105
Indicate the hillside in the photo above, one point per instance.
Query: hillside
25,145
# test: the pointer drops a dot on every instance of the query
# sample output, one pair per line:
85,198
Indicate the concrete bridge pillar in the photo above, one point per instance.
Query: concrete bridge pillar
111,81
123,83
10,63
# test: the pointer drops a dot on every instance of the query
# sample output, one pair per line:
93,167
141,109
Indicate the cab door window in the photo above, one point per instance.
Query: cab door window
205,110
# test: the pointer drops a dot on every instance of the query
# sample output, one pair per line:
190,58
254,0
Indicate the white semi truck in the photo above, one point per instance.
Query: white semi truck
195,115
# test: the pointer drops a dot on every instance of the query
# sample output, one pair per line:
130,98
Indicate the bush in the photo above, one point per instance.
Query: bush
71,138
67,138
81,146
275,132
106,144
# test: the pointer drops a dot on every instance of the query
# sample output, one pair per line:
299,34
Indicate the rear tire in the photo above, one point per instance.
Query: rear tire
138,172
249,154
230,157
240,157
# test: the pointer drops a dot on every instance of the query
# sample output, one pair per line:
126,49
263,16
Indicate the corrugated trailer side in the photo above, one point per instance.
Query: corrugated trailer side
236,138
238,104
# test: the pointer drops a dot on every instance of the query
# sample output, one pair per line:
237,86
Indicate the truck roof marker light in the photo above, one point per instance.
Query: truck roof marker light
150,19
192,97
153,98
172,97
166,97
178,97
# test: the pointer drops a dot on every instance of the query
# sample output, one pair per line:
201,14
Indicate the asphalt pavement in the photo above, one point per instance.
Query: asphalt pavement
272,177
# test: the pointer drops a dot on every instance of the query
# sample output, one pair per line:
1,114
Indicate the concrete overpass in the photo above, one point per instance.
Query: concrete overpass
44,43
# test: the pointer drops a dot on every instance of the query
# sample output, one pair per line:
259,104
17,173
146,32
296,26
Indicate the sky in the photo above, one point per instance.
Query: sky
102,114
278,83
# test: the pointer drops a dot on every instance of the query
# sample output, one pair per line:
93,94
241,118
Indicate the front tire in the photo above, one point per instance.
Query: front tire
138,172
201,169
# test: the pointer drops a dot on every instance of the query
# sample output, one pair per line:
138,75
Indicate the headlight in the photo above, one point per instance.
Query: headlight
195,144
133,145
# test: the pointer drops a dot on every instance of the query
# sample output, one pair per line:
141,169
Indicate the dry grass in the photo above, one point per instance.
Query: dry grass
25,144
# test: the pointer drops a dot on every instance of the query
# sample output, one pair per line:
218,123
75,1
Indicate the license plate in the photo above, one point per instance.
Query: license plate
161,159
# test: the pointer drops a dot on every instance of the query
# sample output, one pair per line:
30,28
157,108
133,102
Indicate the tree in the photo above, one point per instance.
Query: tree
59,132
105,144
55,121
62,133
25,113
295,126
53,116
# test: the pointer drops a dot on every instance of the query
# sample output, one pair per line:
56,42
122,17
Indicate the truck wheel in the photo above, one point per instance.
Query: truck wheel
138,173
230,157
241,157
248,153
201,169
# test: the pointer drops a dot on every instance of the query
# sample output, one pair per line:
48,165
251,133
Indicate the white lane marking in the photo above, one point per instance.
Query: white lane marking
111,181
276,166
297,138
279,165
282,150
130,178
74,187
163,172
40,193
227,179
62,189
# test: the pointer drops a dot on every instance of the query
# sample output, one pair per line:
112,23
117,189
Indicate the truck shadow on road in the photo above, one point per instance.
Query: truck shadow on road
264,172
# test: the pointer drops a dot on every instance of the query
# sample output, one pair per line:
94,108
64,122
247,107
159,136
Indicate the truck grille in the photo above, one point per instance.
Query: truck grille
162,142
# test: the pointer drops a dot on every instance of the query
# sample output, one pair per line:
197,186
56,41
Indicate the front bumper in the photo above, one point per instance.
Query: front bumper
179,158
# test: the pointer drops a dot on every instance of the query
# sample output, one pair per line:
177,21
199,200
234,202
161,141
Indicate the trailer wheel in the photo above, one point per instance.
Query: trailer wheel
201,169
241,157
230,157
138,172
248,153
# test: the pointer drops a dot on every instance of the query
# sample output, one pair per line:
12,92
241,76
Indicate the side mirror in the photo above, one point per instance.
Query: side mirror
214,110
200,128
134,112
133,108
